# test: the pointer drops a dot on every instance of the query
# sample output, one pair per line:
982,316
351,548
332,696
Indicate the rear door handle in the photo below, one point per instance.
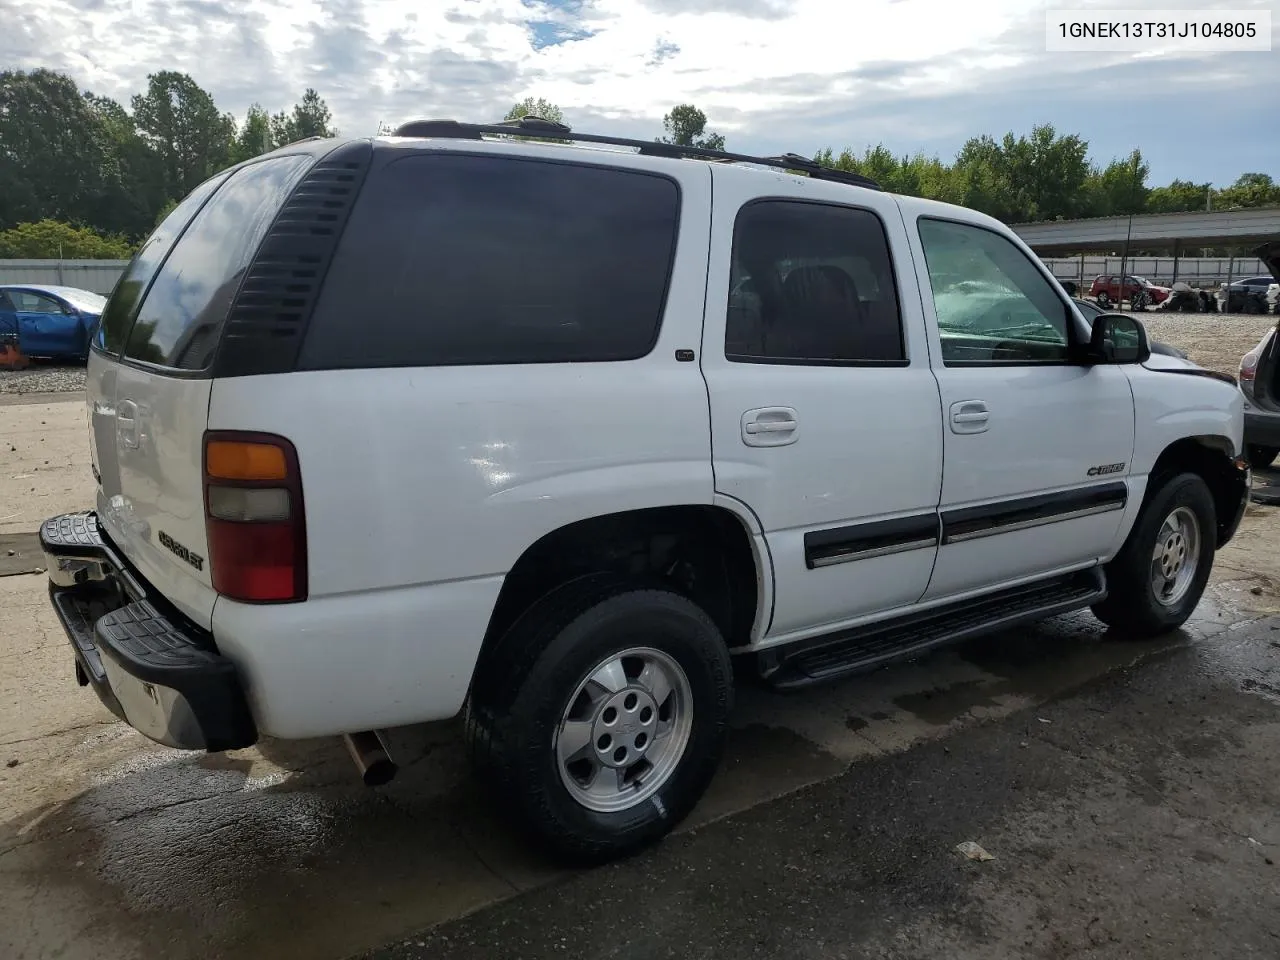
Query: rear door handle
126,423
969,416
770,427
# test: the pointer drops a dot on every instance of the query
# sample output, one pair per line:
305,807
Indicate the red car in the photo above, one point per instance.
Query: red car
1139,291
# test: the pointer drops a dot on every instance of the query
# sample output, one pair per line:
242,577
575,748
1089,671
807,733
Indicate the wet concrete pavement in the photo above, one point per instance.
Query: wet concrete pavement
112,847
1132,817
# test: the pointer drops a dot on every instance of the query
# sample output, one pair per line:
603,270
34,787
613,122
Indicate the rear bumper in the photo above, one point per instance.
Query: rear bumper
161,675
1261,429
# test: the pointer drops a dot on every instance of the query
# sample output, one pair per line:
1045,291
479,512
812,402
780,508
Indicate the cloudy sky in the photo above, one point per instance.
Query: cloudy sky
773,75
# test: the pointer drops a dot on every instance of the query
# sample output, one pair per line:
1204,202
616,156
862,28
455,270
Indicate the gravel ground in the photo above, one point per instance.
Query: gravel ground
1215,341
43,378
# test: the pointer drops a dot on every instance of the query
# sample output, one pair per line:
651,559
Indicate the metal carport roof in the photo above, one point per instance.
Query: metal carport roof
1243,228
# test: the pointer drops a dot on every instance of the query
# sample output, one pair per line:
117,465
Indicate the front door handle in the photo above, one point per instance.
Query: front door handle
969,416
770,427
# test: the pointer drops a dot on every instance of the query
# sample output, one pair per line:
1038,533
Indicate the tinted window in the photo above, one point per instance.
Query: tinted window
811,283
455,259
129,288
1006,312
181,317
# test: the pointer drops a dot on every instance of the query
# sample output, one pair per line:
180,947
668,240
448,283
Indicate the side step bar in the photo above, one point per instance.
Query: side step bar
864,648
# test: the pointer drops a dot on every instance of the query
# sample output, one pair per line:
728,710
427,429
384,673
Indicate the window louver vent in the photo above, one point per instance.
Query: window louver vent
269,316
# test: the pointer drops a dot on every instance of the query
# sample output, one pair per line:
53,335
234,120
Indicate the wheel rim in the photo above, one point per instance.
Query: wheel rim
1176,556
624,730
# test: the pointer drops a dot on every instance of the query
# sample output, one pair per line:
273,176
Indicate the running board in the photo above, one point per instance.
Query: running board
864,648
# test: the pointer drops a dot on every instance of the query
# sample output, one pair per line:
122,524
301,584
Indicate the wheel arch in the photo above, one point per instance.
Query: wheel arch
712,554
1212,458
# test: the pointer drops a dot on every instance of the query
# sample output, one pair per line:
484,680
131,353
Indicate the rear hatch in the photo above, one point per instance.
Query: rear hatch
149,374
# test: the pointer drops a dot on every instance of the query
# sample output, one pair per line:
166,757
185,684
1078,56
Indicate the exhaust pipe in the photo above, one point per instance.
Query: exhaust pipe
369,751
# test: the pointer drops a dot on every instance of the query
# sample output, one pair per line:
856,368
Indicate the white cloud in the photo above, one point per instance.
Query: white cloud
761,69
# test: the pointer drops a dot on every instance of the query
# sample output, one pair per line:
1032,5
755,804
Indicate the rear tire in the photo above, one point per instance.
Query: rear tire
604,674
1261,457
1159,575
1104,300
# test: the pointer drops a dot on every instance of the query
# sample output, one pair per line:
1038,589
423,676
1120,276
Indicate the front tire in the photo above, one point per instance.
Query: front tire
1159,575
603,715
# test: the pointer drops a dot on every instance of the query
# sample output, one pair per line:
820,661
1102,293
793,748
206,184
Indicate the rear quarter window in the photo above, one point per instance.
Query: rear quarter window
181,317
463,259
123,302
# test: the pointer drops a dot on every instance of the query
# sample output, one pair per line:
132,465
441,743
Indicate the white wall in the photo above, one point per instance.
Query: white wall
96,275
1197,271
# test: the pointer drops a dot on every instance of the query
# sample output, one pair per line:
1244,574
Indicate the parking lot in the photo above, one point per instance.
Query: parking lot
1123,786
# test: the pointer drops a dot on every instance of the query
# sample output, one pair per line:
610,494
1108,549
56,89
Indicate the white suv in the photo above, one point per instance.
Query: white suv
550,433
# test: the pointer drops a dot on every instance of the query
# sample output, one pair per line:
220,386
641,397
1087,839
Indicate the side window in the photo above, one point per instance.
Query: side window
455,258
811,284
1007,312
37,303
181,317
118,315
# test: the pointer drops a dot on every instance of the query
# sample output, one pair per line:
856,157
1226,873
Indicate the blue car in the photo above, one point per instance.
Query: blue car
49,321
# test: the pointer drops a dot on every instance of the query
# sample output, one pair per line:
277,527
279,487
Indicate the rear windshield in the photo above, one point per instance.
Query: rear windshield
465,259
128,289
182,315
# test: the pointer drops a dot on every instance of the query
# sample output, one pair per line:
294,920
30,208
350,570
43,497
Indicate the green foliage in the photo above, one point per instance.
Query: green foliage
310,118
1181,196
1044,176
79,158
51,240
686,126
531,107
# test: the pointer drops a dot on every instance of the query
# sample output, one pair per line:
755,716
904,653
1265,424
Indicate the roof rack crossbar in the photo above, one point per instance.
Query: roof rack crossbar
538,126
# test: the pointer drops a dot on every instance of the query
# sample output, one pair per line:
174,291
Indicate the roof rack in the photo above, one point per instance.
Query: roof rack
540,126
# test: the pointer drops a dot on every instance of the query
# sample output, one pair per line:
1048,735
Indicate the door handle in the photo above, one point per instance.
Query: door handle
126,425
770,427
969,416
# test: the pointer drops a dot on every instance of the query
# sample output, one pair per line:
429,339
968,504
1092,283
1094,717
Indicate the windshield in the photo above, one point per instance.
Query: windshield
84,300
1141,281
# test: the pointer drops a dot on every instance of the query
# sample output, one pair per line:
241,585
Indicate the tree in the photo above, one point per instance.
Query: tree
182,124
53,240
54,155
309,118
530,107
686,126
134,186
1119,189
1181,196
255,137
1249,190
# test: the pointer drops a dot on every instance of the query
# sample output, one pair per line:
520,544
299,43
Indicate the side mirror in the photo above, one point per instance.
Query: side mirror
1118,338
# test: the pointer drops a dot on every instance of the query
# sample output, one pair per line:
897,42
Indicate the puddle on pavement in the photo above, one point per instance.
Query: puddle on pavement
280,852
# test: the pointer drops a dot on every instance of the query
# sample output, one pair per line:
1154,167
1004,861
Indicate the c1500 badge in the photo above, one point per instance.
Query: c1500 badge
174,547
1106,469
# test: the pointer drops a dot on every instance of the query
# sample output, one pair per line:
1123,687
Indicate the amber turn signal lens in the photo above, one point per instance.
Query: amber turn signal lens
233,460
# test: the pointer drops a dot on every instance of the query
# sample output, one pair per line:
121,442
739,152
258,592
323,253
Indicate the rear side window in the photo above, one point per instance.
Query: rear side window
129,288
464,259
182,315
811,284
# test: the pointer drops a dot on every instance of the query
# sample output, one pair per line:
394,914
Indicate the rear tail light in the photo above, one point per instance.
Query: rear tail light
254,517
1249,367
